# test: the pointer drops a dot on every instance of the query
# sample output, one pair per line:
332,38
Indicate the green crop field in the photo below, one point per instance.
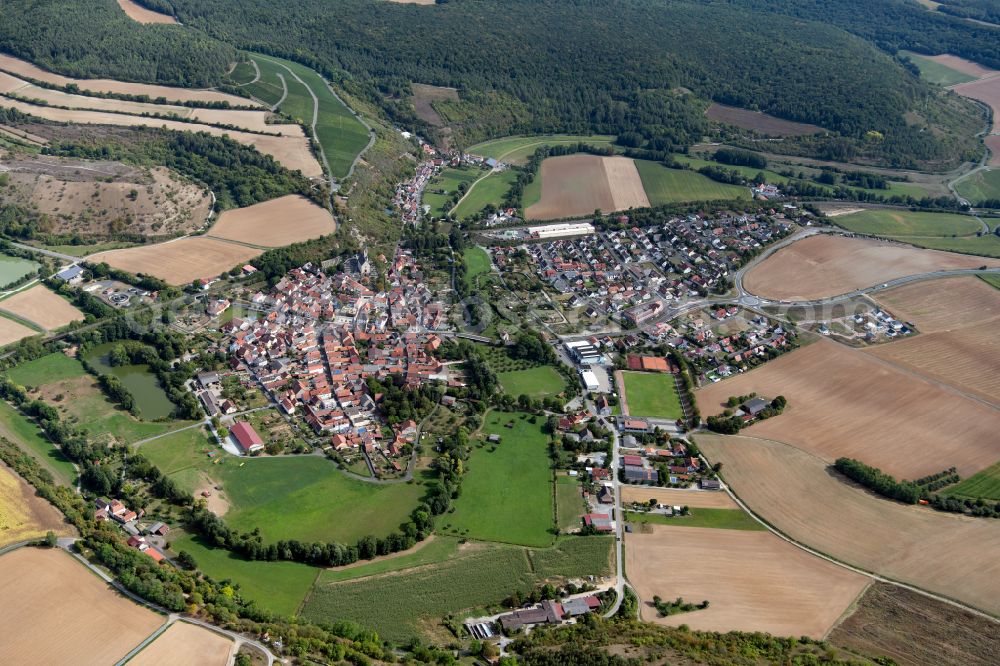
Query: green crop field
308,498
902,223
987,245
490,190
29,438
990,279
507,490
277,586
696,163
47,369
15,268
569,502
985,485
477,262
535,382
652,394
980,185
408,603
269,87
242,74
665,185
517,149
937,73
440,189
723,519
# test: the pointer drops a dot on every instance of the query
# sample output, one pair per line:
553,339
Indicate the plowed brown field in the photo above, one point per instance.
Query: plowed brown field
961,65
845,402
829,265
54,611
993,143
184,644
140,14
282,221
753,581
958,345
42,306
986,91
580,184
951,555
23,68
181,261
698,499
291,151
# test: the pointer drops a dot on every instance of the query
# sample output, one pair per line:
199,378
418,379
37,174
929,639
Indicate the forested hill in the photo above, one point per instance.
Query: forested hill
541,65
94,38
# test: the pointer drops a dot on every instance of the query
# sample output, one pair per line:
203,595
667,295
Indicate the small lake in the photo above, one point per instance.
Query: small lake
15,268
144,386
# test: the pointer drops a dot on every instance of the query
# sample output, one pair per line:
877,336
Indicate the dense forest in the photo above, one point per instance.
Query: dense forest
592,65
94,38
979,10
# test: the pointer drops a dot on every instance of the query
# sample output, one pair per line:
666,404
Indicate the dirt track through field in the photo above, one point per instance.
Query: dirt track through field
292,152
282,221
827,265
184,644
948,554
140,14
580,184
55,611
752,580
20,67
179,262
43,307
846,402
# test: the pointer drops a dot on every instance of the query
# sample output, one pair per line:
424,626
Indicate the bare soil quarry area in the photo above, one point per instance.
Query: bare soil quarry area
580,184
181,261
752,580
828,265
282,221
99,198
846,402
24,68
798,494
57,612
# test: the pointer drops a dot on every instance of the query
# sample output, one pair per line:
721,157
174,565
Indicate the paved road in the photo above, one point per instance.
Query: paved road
619,525
50,253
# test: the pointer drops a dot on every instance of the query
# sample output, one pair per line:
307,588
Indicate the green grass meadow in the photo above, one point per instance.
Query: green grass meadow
652,394
477,262
507,489
981,185
569,502
46,369
935,72
722,519
665,185
490,190
985,485
15,268
439,190
517,149
538,382
901,223
29,438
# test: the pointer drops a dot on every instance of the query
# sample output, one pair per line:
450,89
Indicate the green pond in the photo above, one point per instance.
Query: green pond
144,386
15,268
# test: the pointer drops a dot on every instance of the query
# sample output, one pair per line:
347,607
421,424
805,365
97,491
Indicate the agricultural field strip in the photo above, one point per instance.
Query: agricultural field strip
877,506
250,121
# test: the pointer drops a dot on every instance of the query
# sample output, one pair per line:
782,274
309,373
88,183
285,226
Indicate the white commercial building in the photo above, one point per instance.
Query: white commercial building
589,380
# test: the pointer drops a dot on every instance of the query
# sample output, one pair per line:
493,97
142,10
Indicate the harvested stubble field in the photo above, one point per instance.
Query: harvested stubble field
759,122
696,499
282,221
914,630
24,68
845,402
958,343
55,611
985,90
293,152
140,14
98,198
184,644
23,514
580,184
798,494
753,581
42,306
181,261
828,265
254,121
11,331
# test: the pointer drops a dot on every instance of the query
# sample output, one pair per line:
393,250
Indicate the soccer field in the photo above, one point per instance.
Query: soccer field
652,394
